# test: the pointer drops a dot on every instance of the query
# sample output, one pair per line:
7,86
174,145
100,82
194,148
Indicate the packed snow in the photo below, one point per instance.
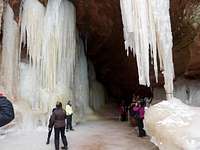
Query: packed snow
92,135
173,125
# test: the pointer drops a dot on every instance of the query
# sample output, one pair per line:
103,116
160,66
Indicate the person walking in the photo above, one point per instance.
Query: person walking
50,128
69,112
6,110
57,121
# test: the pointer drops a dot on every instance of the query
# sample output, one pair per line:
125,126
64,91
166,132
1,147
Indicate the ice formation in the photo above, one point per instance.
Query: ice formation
51,47
188,91
173,125
54,68
97,91
9,65
147,31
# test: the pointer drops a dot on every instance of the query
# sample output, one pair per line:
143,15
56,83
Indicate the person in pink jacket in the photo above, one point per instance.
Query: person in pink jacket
139,116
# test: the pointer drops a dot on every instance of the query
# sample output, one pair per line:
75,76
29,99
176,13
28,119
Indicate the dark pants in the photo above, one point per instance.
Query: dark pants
140,127
69,122
57,134
49,135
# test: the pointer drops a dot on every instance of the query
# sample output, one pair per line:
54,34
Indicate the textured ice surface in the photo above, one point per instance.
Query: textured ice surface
173,125
9,64
188,91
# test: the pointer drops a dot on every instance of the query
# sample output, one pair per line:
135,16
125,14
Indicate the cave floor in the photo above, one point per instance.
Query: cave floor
92,135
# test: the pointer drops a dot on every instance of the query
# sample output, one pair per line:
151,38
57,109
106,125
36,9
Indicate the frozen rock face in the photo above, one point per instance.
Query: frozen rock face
173,125
97,91
188,91
193,67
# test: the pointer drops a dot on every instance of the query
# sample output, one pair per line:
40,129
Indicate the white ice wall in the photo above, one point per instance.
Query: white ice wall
173,125
55,68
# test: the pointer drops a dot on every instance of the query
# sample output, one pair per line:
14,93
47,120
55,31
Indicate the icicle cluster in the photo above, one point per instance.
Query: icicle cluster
51,41
9,64
147,30
55,68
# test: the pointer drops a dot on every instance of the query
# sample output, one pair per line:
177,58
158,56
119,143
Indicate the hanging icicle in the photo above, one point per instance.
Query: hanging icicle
147,30
51,41
50,36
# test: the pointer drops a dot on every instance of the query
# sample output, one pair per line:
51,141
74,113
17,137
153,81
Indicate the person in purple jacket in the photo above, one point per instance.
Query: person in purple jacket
139,117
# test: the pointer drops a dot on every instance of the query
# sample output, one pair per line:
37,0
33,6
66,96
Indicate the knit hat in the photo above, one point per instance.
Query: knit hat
1,93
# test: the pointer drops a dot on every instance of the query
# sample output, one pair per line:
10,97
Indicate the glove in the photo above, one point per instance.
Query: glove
49,129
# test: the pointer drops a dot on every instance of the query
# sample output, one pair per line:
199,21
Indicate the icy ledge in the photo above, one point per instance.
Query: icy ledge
173,125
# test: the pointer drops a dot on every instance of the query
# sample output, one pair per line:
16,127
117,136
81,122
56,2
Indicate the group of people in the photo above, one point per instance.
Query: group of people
57,121
136,111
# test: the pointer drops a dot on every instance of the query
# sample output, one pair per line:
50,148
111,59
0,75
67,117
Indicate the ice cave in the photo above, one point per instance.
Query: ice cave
130,69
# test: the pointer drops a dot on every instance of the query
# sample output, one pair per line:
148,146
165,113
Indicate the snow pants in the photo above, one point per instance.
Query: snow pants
57,132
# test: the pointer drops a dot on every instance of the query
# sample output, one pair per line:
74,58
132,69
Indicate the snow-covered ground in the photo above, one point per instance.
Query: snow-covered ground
93,135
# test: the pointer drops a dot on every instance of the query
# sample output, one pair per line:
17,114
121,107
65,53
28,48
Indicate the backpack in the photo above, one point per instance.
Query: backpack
6,111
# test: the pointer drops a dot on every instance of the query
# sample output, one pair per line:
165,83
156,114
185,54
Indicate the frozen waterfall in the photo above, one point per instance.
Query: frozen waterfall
43,63
147,31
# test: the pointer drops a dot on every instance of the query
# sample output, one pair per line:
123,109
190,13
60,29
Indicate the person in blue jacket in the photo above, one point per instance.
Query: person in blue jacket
6,110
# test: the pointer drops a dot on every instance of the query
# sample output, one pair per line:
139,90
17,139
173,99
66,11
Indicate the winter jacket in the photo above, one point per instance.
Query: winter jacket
6,111
69,110
140,111
58,118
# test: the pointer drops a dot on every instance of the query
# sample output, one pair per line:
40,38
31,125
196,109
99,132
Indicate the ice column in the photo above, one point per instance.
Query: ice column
9,64
50,36
147,31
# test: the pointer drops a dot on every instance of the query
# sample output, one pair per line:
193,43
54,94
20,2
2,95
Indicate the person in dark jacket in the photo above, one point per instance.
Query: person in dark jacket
6,110
50,128
58,121
123,111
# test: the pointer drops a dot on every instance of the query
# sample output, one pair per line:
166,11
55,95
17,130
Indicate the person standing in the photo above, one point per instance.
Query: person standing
139,117
6,110
50,128
69,112
123,111
58,121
